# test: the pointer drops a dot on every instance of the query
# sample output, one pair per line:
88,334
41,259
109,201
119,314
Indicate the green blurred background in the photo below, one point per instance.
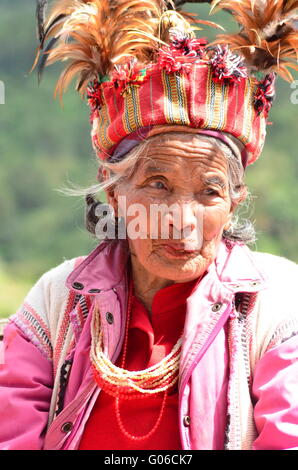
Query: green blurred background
44,146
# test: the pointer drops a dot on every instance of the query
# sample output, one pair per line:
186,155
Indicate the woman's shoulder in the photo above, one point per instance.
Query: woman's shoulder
277,314
55,278
276,268
51,286
46,305
281,280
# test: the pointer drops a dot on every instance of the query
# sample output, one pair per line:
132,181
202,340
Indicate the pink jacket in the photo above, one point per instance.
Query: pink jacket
238,370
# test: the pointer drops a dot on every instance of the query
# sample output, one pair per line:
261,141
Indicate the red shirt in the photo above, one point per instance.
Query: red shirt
149,341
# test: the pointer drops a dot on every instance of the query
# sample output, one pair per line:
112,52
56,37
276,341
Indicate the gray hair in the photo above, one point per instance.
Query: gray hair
241,229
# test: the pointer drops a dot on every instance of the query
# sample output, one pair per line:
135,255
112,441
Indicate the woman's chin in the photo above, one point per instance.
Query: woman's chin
179,269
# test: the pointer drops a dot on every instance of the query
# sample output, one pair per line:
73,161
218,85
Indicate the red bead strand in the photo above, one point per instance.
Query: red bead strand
146,436
117,403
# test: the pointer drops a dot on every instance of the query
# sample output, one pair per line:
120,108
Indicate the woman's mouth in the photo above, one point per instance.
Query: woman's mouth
180,250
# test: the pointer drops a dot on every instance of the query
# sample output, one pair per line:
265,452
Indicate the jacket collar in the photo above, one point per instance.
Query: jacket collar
101,270
104,268
237,269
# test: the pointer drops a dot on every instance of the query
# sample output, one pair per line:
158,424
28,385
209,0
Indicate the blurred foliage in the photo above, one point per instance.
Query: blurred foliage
43,146
13,291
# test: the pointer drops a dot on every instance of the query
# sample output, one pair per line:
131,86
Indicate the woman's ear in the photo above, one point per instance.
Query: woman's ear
242,195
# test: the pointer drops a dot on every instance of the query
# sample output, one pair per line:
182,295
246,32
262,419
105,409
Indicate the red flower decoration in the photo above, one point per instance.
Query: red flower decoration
181,54
226,66
94,98
265,94
172,61
190,47
127,74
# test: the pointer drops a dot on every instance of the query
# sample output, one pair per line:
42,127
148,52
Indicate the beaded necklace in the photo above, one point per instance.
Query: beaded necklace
124,384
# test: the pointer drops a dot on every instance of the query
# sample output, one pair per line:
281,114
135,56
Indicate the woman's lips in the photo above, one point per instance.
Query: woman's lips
180,250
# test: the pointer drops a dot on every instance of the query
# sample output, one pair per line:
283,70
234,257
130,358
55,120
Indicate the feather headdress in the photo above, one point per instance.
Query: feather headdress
268,38
141,66
96,35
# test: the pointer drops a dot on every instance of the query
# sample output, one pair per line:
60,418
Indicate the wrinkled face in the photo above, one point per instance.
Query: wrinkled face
186,174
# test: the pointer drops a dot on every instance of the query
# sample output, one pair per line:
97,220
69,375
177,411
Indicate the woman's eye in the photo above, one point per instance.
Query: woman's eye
157,185
212,192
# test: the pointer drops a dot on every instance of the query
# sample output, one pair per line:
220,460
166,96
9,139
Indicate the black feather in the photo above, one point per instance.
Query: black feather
44,59
83,78
41,6
282,29
51,25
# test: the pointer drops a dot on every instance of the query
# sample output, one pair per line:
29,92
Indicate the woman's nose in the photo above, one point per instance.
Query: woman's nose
186,219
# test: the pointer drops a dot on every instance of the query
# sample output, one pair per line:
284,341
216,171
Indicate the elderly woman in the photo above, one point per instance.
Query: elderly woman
171,334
